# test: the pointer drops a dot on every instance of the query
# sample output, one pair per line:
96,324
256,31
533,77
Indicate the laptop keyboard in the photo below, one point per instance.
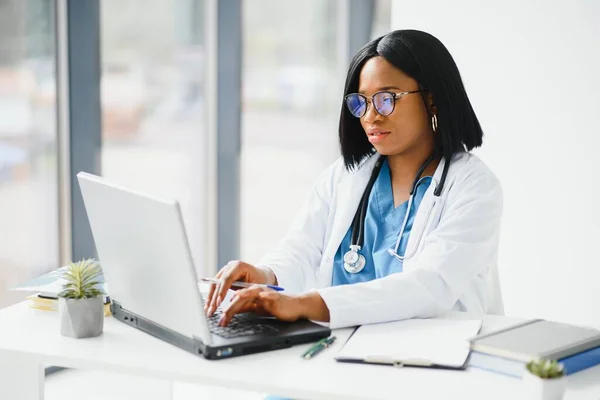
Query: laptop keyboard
238,326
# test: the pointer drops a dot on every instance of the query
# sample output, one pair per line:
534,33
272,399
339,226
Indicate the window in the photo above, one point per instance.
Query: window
29,243
152,101
291,97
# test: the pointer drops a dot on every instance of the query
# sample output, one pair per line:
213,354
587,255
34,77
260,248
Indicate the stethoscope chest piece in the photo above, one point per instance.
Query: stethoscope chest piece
354,262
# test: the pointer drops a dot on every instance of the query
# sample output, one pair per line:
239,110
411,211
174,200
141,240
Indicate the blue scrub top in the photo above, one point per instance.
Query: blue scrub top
382,226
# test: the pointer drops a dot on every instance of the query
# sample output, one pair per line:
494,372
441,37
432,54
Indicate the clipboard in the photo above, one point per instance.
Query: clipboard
438,343
401,363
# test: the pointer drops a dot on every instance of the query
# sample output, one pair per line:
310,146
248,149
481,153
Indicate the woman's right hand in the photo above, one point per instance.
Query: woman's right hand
236,271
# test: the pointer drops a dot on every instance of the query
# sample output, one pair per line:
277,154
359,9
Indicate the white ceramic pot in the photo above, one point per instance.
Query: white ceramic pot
81,318
543,389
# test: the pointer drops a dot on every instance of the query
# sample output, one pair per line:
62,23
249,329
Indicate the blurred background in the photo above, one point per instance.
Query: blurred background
231,108
152,132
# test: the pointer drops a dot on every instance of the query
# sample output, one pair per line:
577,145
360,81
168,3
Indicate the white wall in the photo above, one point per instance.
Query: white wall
532,71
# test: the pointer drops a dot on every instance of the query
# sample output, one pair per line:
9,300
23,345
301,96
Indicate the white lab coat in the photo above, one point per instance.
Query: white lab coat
454,268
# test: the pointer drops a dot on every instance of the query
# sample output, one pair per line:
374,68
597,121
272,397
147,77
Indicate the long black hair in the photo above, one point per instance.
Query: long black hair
425,59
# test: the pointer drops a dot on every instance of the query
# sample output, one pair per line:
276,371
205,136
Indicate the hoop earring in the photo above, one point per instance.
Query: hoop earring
434,123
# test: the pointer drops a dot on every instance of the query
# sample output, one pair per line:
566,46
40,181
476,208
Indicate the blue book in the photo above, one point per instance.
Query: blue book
575,363
507,351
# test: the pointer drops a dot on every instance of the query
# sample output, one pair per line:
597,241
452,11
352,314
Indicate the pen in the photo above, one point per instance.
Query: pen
318,347
243,284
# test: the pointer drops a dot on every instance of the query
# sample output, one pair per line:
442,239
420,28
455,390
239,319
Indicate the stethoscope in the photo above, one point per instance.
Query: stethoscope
354,262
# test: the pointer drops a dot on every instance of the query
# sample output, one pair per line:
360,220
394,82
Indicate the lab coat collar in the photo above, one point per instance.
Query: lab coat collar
349,192
423,216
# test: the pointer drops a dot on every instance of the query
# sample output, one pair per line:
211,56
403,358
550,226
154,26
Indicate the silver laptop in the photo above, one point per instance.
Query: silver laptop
151,280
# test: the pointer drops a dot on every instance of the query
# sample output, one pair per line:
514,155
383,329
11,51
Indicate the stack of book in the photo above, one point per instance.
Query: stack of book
507,351
46,289
51,304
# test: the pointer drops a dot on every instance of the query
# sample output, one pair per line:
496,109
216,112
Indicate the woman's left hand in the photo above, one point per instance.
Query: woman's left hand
285,307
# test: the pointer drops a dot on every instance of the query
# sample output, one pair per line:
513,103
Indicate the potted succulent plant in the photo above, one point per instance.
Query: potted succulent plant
545,380
80,304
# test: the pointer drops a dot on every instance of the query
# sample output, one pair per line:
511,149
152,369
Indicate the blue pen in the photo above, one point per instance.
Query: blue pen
243,284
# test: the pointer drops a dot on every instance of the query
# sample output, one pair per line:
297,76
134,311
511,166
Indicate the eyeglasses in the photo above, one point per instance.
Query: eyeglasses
384,102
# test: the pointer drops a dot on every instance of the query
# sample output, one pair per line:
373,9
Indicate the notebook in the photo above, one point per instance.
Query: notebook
433,343
508,350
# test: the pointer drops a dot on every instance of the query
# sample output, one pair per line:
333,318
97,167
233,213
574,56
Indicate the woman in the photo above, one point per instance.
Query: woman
406,127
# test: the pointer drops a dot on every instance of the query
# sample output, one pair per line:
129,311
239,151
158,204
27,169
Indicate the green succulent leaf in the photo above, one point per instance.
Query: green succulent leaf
546,369
82,280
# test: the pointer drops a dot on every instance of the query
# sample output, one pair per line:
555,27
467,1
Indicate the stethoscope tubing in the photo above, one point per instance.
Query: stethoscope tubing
358,223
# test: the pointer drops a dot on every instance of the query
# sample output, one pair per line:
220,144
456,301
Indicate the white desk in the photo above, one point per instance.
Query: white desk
30,340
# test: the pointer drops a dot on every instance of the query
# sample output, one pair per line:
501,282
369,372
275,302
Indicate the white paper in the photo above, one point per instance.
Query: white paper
441,341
